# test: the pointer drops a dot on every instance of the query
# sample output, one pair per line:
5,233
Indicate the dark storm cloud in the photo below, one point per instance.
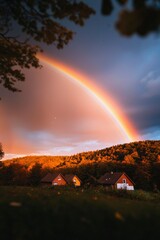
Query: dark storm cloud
146,105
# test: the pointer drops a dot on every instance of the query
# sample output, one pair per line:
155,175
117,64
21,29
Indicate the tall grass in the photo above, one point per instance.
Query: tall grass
77,214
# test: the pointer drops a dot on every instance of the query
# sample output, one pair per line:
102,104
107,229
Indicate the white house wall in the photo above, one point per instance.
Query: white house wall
124,186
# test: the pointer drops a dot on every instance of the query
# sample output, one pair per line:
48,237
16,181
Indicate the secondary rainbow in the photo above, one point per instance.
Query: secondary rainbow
105,101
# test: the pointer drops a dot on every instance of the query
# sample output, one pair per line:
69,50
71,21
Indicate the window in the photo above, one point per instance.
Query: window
59,179
124,180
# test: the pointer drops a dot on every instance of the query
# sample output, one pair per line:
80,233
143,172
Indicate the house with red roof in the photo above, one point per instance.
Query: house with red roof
73,179
116,180
58,179
55,179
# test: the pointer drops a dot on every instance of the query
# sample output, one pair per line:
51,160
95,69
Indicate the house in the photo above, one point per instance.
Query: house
73,180
117,180
53,179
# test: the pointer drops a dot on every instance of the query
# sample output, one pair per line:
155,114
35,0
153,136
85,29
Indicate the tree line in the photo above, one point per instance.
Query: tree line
144,176
140,160
144,152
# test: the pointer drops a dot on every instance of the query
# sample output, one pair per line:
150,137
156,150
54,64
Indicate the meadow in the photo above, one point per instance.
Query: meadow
67,213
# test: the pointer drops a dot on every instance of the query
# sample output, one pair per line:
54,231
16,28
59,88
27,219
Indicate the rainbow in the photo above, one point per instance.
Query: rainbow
104,100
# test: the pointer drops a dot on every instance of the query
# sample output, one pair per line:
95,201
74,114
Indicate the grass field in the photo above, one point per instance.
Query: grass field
65,214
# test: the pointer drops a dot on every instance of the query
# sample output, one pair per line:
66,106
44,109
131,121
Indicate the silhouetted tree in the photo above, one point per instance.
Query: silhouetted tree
135,16
14,174
23,22
155,175
35,174
7,174
1,152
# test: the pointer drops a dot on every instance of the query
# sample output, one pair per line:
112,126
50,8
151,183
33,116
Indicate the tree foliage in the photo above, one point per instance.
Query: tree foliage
135,16
145,152
24,22
35,174
140,160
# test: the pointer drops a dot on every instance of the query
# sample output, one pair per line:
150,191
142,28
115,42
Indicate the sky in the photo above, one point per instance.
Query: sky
107,95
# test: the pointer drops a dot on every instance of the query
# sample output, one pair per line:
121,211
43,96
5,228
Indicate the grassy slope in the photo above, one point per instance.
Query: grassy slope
74,214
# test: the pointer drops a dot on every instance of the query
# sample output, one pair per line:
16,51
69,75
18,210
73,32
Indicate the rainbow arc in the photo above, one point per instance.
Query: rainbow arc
104,100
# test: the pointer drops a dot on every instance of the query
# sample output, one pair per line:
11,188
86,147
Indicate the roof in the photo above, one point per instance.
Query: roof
49,177
111,178
69,178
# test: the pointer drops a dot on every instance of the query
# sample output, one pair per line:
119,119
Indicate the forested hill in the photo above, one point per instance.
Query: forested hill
144,152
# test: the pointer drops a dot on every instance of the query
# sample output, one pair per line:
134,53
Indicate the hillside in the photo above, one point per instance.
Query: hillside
140,160
146,152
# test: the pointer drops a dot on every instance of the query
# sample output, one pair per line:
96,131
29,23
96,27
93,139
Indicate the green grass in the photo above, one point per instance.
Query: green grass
65,214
